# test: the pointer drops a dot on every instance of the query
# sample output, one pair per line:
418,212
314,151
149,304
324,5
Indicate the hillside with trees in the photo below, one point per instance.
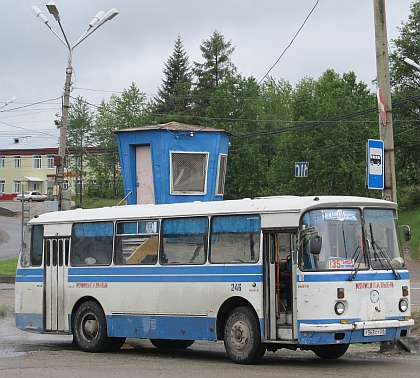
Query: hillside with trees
325,121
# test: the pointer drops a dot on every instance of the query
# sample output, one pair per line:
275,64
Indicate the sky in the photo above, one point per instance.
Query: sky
133,46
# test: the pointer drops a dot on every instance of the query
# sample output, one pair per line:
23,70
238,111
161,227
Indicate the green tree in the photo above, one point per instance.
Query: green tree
174,97
235,107
405,80
336,150
128,110
80,136
217,66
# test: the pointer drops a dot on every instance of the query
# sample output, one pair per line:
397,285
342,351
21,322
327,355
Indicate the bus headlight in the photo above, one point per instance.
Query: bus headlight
403,305
339,308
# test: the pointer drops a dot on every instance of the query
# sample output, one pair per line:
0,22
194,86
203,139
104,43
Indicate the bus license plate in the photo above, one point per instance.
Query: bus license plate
374,332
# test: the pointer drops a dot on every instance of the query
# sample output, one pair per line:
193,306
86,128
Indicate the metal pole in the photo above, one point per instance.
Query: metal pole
63,129
385,131
23,213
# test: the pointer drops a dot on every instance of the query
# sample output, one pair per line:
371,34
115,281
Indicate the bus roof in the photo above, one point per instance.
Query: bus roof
262,205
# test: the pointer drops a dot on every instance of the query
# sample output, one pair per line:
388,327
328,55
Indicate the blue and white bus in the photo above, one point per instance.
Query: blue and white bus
309,273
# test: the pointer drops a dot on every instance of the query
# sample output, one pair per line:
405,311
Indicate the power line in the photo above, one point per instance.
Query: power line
304,22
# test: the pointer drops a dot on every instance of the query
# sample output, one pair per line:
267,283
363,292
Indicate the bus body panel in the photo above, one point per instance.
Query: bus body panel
371,302
29,299
167,297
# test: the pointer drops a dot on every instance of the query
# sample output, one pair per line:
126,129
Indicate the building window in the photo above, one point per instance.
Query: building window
221,173
17,162
49,161
16,186
2,162
36,186
188,172
2,186
37,162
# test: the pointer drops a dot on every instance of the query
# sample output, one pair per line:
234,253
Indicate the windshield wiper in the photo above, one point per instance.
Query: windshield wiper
354,272
382,254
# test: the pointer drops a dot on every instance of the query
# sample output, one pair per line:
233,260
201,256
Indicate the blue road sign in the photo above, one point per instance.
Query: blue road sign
301,169
375,164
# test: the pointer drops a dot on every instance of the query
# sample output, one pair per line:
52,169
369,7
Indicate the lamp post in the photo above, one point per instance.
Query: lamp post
100,18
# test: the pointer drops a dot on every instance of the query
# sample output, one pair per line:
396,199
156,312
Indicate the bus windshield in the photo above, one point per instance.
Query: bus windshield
350,240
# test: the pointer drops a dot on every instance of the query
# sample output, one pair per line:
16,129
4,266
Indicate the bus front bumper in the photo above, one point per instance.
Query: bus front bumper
353,326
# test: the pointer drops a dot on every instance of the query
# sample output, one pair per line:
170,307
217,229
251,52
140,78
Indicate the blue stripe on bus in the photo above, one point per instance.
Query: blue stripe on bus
167,274
166,278
344,276
30,275
167,270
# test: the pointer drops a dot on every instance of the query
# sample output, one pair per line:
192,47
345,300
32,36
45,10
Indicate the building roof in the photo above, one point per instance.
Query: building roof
173,126
29,140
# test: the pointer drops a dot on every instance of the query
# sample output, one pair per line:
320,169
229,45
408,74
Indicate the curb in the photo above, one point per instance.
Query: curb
7,279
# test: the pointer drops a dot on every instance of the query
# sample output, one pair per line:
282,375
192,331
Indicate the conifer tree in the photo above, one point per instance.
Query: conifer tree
173,98
217,66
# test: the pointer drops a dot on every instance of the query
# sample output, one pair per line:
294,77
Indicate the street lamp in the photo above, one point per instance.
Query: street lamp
412,63
95,24
8,102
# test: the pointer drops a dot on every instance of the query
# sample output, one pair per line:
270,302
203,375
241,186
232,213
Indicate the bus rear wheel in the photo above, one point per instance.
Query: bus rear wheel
242,336
171,344
89,328
330,352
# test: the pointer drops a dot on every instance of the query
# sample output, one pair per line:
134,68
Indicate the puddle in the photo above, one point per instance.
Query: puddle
12,353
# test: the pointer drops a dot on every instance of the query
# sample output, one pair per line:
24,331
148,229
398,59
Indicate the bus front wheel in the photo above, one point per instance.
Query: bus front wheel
89,328
242,336
331,352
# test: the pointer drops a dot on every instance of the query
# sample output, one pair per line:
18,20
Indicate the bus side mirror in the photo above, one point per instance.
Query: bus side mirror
315,244
407,233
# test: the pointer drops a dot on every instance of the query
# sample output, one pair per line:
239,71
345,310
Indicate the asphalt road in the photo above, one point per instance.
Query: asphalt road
28,355
13,226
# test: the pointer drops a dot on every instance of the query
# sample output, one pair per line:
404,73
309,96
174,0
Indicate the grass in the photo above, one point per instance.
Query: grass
412,219
92,203
8,267
4,310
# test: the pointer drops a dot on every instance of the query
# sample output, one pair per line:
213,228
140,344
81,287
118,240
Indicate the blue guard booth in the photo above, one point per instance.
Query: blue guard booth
173,162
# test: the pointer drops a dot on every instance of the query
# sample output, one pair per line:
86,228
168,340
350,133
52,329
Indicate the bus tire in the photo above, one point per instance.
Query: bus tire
242,336
330,352
171,344
89,328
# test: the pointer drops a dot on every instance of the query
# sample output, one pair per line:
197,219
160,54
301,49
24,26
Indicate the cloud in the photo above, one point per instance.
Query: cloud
133,46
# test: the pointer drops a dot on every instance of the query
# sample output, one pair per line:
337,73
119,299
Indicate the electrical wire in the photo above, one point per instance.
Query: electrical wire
284,51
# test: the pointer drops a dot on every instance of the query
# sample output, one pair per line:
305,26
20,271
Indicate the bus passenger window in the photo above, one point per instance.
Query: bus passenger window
36,245
235,239
184,241
136,243
91,243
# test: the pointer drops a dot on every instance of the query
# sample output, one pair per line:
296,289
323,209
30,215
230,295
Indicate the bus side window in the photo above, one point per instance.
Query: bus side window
235,239
91,243
136,243
36,245
184,241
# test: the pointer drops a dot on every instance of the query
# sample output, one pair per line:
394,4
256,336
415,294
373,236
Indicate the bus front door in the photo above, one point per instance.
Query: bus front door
56,263
278,284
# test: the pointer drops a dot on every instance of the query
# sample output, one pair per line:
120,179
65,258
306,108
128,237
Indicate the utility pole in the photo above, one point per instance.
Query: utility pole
63,130
385,131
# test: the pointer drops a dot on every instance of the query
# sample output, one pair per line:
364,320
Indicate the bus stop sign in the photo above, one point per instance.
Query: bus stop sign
375,164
